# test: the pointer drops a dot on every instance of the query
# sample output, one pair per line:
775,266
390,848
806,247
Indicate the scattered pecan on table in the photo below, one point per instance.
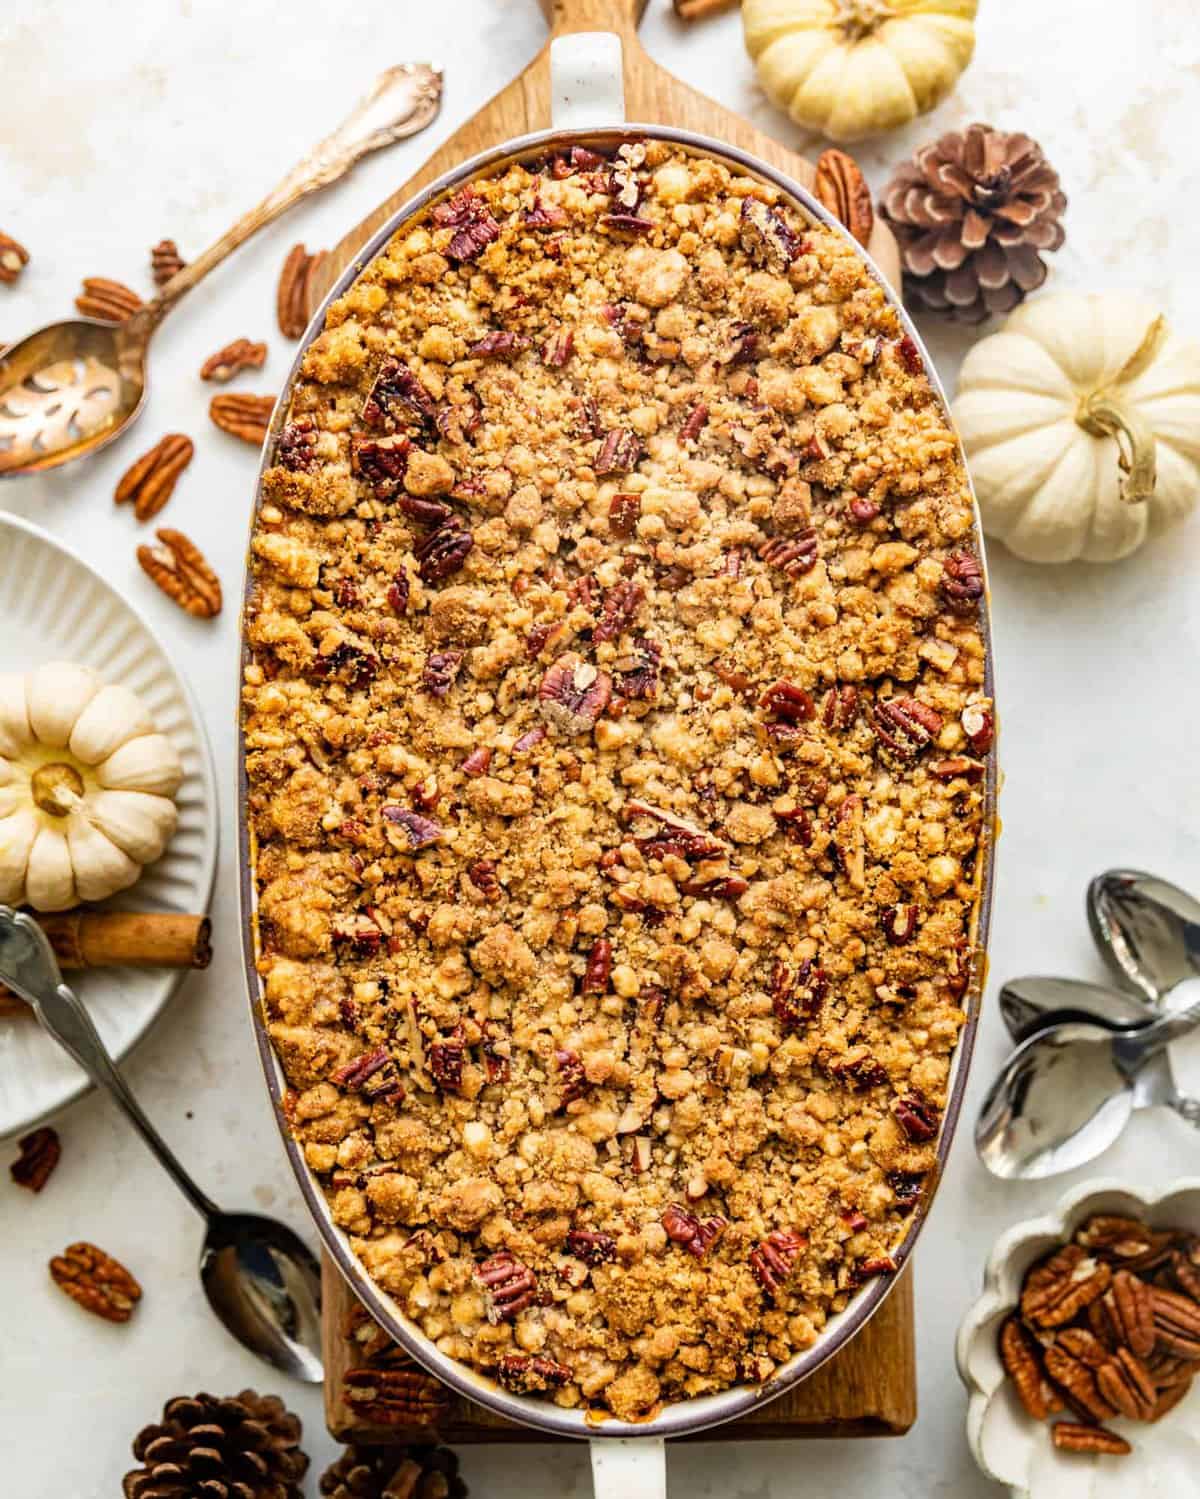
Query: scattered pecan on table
14,257
1107,1325
150,482
179,568
294,296
40,1152
243,416
109,301
240,355
95,1280
841,188
165,261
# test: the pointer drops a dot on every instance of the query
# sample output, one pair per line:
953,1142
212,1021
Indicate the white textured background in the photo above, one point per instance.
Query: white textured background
122,123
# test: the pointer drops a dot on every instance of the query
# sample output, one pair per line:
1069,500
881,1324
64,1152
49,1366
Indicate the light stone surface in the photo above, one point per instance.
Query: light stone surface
120,124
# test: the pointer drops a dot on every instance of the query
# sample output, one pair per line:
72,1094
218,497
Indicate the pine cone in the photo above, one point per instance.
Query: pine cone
243,1447
971,211
394,1473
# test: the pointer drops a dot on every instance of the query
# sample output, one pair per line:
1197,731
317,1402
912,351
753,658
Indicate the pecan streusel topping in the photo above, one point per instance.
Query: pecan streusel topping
616,731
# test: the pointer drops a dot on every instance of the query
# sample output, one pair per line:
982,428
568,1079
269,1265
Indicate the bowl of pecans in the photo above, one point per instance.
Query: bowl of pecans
1079,1356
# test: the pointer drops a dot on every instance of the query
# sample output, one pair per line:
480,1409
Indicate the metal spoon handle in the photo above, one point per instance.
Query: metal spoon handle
1186,1108
28,965
402,101
1134,1047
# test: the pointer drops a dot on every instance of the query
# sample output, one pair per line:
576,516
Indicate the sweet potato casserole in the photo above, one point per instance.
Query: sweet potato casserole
616,737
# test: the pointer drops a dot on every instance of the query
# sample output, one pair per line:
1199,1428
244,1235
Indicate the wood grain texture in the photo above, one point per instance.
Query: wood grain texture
868,1390
652,96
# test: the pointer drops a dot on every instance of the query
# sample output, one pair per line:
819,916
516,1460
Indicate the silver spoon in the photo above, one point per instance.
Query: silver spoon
260,1278
1148,932
1066,1094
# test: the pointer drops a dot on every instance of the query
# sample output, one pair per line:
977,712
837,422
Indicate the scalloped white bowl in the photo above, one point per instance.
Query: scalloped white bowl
1014,1449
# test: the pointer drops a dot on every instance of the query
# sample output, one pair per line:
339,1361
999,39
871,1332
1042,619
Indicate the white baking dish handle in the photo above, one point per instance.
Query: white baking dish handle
587,85
587,91
635,1469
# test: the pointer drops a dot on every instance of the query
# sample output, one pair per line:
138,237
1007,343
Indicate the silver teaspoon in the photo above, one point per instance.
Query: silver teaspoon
1148,932
1066,1094
260,1278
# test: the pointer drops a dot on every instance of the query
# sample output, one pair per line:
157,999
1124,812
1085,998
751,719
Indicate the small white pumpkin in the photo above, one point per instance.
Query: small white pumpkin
852,68
86,787
1081,423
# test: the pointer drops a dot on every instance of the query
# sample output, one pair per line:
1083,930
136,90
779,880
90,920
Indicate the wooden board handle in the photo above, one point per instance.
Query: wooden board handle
565,16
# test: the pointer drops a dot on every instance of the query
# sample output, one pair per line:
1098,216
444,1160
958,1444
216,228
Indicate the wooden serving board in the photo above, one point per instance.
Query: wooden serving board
652,96
869,1389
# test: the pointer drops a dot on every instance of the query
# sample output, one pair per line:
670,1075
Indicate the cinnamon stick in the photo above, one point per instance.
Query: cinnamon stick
697,10
110,939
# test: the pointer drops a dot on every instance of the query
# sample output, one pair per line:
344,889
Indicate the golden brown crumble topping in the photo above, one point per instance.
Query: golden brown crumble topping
616,739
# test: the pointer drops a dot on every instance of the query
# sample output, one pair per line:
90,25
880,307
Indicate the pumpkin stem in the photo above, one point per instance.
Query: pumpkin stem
1103,415
56,788
859,18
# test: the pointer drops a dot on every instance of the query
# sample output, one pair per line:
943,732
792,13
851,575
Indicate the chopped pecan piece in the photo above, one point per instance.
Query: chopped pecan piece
957,768
627,223
1072,1362
866,1270
792,555
398,592
544,216
599,967
477,762
179,568
240,355
40,1153
620,450
558,348
572,694
526,741
498,344
482,875
696,1235
623,513
694,423
962,582
414,830
374,1075
572,1080
1062,1285
440,670
862,512
617,612
165,261
906,1188
531,1373
243,416
295,294
636,673
767,237
591,1247
918,1118
14,257
473,225
899,924
151,481
397,396
860,1070
497,1053
357,934
95,1280
909,355
775,1258
787,701
510,1285
840,709
296,449
458,421
979,726
797,996
443,553
905,726
797,826
107,301
446,1061
1075,1436
848,841
841,188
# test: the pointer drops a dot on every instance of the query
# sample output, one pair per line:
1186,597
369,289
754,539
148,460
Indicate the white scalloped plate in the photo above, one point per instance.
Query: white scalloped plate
1014,1449
54,607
